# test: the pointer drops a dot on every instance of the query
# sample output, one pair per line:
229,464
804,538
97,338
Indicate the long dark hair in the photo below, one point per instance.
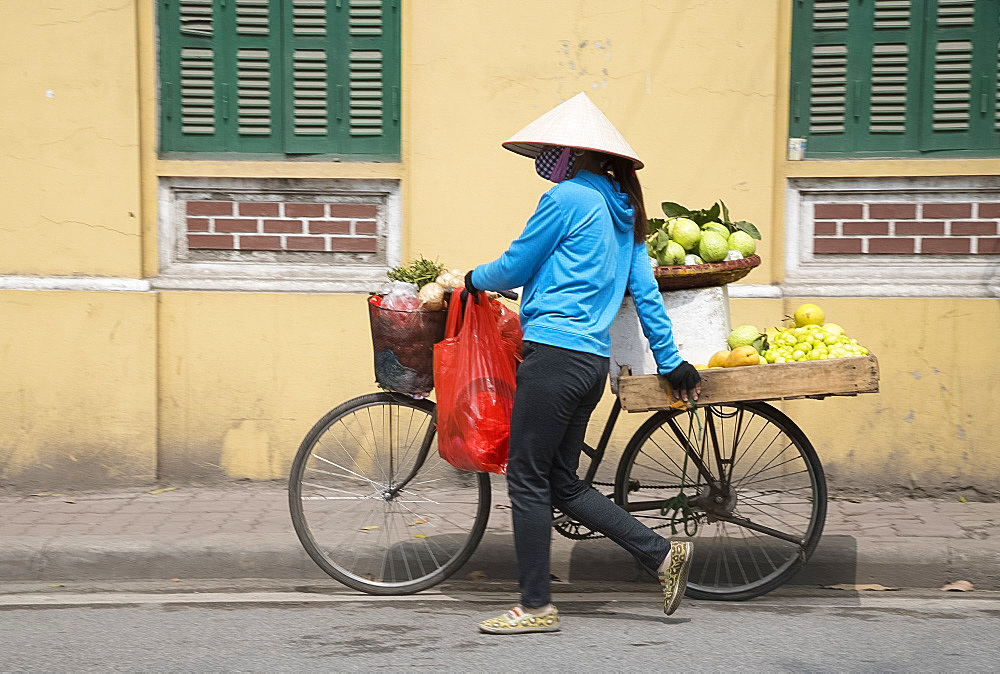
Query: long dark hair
621,170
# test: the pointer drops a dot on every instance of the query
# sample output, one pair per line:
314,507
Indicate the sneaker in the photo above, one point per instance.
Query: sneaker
675,578
519,621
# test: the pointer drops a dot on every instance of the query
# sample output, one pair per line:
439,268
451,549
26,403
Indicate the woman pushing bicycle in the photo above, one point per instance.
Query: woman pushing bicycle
578,254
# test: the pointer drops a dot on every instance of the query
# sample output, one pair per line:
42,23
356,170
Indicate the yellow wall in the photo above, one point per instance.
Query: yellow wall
117,386
69,163
243,376
78,388
669,74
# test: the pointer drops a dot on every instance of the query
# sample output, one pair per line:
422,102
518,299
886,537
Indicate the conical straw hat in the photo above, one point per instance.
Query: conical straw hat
573,123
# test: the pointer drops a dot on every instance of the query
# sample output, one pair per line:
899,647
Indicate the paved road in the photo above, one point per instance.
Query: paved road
284,631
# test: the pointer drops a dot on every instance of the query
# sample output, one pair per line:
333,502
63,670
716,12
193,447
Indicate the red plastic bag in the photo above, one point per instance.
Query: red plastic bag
474,377
510,327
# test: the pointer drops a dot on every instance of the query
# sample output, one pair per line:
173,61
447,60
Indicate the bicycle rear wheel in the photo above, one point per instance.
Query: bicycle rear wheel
373,503
757,518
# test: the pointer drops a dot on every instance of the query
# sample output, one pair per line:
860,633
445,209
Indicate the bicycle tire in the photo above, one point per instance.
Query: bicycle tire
797,491
354,456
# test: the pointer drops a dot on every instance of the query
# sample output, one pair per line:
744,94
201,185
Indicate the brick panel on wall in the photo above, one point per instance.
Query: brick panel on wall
906,228
293,226
892,236
278,234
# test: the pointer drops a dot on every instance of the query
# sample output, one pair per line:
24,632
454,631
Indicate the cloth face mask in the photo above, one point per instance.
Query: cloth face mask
554,163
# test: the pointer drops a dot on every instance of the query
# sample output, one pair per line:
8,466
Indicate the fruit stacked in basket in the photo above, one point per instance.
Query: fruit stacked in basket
699,248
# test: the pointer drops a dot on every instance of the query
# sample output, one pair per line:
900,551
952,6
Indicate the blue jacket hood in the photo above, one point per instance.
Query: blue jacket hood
618,202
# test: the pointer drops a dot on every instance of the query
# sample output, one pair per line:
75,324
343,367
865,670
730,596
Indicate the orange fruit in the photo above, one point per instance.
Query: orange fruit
718,359
742,355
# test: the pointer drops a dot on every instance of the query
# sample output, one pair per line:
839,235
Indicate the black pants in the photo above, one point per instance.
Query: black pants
557,390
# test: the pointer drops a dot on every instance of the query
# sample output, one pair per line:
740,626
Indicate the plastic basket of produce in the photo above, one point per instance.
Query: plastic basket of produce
403,343
681,277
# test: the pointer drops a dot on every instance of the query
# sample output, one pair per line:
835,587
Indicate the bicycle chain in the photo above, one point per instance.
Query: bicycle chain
591,534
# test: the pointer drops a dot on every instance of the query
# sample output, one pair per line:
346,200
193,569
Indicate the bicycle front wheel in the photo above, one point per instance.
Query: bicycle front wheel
373,503
739,480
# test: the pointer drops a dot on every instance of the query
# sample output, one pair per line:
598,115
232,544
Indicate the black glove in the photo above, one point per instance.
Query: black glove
684,377
469,288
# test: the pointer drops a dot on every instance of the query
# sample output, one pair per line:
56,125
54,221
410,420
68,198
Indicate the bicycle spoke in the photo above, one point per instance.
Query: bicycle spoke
761,455
749,444
349,454
369,516
804,471
410,441
368,451
746,541
353,475
764,513
323,486
760,528
770,463
749,501
666,471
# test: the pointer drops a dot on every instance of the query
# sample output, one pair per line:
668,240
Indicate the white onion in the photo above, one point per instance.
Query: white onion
432,296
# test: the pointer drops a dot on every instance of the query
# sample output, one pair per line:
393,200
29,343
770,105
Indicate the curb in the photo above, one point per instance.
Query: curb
917,562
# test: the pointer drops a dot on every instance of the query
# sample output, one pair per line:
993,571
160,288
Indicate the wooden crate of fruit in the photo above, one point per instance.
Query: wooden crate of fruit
777,381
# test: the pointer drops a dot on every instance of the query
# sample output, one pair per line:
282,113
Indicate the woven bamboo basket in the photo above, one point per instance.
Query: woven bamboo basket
682,277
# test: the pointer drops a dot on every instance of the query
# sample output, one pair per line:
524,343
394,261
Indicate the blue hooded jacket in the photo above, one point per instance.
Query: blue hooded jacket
575,257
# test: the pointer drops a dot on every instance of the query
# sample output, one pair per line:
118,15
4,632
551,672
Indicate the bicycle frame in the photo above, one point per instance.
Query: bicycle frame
596,454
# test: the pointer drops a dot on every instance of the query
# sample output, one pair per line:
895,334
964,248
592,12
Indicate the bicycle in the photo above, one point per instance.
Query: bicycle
376,507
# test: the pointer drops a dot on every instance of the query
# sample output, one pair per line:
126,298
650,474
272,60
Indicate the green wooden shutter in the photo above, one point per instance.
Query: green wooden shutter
888,76
256,51
960,70
342,77
310,97
190,110
371,121
996,98
820,77
220,76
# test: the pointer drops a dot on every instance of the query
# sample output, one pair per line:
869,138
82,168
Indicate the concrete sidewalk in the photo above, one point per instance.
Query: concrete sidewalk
243,530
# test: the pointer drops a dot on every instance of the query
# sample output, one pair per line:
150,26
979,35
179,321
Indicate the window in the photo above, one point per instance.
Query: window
286,77
896,77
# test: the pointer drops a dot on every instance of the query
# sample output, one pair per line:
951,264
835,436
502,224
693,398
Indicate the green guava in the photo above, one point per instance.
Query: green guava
745,335
716,227
743,242
675,253
685,232
713,247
